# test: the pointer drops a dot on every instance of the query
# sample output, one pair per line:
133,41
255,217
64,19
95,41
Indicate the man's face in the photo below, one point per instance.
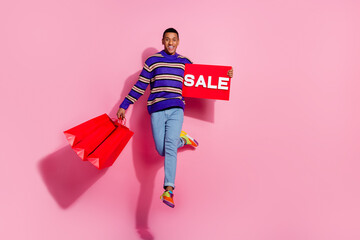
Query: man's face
170,42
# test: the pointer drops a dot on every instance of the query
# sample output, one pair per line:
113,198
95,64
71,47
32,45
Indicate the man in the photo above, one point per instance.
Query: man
164,71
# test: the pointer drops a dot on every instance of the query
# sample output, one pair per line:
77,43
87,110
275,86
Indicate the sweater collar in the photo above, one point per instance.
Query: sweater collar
169,56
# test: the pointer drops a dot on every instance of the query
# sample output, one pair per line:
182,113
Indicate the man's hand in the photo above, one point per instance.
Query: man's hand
121,113
230,73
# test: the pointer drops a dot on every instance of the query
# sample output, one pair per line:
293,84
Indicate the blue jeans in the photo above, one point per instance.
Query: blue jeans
166,128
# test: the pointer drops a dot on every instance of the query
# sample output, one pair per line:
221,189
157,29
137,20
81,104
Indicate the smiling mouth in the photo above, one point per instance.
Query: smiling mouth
171,47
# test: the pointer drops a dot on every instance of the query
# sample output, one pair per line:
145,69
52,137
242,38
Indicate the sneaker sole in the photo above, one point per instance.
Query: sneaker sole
167,202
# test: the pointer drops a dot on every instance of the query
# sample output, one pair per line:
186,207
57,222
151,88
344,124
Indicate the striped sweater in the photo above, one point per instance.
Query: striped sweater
165,74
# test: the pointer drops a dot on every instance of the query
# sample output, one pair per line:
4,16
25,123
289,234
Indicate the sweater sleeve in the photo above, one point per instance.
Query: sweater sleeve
139,88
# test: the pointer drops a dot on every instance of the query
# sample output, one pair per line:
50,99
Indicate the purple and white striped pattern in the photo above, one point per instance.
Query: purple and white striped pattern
165,74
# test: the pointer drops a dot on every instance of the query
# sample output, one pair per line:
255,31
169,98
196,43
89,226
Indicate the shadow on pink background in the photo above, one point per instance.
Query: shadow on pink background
147,162
202,109
66,176
145,159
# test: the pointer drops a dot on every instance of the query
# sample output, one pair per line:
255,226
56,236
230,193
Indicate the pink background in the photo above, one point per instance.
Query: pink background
280,160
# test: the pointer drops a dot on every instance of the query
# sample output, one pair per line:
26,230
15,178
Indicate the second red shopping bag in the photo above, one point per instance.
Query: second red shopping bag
106,154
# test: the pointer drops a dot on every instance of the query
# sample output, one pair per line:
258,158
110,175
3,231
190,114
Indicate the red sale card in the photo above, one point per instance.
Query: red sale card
206,81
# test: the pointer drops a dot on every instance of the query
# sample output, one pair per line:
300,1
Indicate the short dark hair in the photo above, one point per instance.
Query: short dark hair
173,30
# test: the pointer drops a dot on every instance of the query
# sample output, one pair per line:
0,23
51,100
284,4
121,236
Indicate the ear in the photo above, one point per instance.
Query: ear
162,41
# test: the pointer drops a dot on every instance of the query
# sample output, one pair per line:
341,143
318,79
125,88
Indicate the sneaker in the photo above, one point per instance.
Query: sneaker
167,198
188,140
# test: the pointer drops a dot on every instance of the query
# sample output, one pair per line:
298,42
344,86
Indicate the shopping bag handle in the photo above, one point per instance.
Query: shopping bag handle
120,121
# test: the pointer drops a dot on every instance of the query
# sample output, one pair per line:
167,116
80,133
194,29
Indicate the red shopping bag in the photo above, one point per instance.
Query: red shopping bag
106,154
88,144
99,140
